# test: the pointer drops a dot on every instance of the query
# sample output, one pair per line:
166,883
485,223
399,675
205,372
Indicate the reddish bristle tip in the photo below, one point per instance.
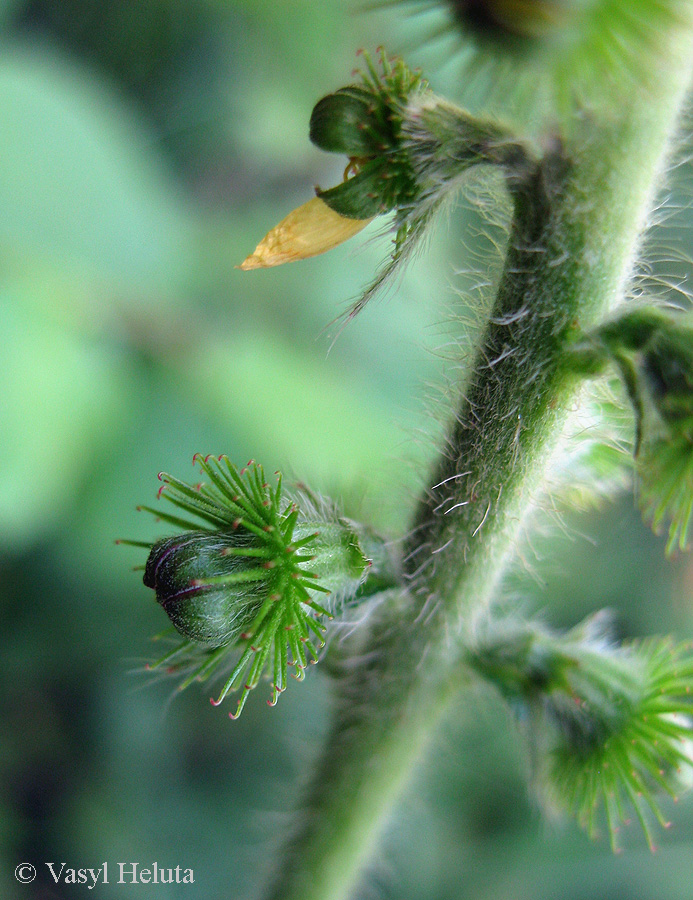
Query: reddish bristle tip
215,702
160,491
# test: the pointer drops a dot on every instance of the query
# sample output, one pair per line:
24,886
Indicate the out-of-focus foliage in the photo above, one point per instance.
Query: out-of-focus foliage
144,148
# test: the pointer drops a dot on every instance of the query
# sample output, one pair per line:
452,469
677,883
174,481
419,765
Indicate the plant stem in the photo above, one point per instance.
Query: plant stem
577,223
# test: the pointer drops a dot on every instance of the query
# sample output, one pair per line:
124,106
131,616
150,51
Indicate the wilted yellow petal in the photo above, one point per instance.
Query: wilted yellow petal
311,229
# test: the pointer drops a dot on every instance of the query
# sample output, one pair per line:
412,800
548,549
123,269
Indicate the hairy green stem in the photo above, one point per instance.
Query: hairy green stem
578,219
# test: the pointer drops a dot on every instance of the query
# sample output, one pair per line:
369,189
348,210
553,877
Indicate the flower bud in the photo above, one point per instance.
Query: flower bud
609,725
365,122
346,122
247,575
663,401
179,568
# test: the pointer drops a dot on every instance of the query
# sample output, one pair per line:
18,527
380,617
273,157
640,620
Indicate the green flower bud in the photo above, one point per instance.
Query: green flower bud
248,574
365,122
667,368
609,725
406,150
216,613
346,122
664,374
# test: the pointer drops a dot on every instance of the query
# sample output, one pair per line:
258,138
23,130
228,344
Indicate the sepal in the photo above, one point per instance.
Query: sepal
209,593
344,122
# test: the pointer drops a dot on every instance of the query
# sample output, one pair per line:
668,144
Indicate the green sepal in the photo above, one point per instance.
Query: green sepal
381,185
360,197
341,123
632,330
209,595
652,351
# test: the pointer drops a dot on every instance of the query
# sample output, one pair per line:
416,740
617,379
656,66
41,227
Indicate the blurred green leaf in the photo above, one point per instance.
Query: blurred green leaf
80,178
64,397
297,411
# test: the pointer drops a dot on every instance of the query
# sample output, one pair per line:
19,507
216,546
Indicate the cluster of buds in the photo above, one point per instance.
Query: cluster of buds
242,582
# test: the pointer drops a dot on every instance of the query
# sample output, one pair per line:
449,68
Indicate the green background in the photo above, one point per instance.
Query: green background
144,150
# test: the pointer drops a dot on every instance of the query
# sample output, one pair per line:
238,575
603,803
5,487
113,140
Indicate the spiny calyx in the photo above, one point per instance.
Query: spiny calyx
610,725
246,573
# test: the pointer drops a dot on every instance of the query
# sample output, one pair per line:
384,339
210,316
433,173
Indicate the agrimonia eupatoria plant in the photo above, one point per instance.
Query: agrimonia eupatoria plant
610,725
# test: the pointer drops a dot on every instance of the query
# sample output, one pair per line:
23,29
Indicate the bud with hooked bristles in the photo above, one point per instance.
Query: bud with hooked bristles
243,579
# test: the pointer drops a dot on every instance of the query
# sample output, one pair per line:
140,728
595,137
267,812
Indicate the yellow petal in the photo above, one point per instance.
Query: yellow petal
311,229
